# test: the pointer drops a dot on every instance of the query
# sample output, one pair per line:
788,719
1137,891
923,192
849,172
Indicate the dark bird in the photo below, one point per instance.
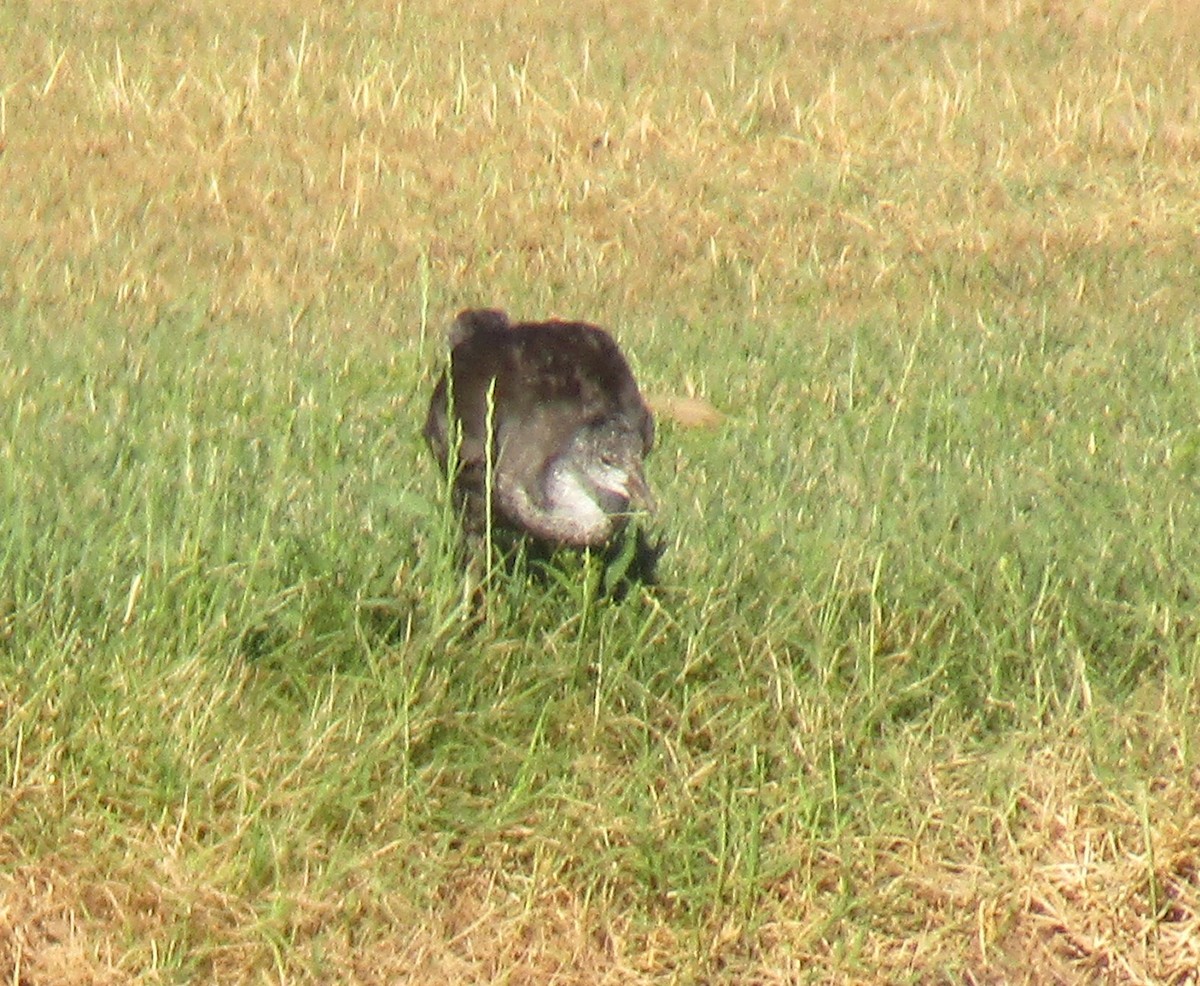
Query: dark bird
546,418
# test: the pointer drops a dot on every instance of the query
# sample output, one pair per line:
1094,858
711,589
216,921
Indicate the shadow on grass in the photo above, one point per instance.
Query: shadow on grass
321,622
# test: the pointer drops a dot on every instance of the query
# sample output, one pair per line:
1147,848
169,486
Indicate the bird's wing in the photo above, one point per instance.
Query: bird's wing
535,385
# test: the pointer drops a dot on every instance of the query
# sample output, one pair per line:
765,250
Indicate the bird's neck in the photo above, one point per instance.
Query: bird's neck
569,493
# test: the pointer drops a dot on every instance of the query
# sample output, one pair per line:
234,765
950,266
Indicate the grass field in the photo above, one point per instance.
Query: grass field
916,699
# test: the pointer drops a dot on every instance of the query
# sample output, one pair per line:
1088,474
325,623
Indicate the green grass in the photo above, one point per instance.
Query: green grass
915,698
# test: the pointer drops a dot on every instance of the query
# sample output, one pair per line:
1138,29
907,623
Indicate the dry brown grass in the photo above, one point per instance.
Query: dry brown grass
332,160
48,935
1069,883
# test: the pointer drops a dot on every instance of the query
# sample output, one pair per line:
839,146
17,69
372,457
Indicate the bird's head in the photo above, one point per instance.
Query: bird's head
599,477
608,457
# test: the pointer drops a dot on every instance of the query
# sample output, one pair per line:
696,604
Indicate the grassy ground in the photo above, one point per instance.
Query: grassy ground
916,700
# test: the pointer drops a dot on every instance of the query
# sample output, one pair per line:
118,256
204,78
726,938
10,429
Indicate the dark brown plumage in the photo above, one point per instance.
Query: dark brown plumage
568,428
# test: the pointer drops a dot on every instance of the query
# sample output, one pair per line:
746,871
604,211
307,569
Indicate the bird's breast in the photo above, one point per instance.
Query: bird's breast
567,497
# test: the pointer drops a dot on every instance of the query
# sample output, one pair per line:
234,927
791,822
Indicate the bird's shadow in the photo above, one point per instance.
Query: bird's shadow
629,562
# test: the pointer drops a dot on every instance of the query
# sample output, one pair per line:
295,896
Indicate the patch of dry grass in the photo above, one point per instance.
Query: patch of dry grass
45,937
1064,882
336,160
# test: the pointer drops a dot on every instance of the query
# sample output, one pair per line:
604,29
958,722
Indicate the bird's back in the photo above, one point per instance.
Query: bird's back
544,380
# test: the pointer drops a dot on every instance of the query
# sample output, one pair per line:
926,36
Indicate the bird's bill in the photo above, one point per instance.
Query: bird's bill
639,491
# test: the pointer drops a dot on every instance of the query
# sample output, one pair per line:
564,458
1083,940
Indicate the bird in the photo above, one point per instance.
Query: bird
542,430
